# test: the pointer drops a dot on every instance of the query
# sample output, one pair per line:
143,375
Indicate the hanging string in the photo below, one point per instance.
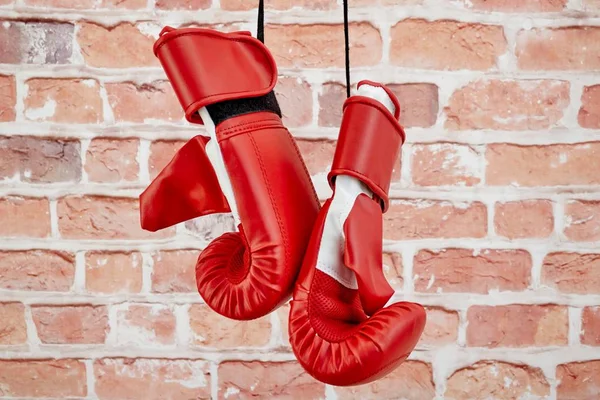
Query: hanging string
347,47
260,30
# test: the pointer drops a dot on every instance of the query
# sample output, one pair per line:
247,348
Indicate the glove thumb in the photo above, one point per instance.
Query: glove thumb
363,230
185,189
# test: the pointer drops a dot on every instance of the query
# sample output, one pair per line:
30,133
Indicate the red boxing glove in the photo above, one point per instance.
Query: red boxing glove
248,165
339,329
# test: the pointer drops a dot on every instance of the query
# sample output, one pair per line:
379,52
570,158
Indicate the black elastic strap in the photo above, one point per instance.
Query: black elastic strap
260,30
347,47
224,110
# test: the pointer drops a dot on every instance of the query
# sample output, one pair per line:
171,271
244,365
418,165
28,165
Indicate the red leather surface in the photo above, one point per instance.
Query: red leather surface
363,231
277,206
368,145
330,330
186,188
206,66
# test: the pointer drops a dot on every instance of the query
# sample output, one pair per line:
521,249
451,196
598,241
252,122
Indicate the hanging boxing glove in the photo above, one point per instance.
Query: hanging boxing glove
248,165
340,330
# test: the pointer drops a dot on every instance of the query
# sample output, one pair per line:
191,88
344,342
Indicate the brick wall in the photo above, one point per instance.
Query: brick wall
495,222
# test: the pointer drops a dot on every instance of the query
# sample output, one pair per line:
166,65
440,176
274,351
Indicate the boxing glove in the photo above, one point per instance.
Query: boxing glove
247,164
340,330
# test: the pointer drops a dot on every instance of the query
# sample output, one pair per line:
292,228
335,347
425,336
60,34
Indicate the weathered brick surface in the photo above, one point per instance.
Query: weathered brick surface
40,160
151,378
507,105
493,224
498,380
446,45
71,324
538,325
43,378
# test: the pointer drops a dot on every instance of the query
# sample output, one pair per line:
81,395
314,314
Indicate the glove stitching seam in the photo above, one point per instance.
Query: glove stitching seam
295,146
239,129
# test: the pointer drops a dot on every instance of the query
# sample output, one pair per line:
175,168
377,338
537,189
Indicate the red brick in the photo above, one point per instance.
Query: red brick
243,5
112,160
120,46
524,219
412,380
24,217
582,220
552,165
29,42
589,113
37,270
153,101
151,379
89,4
183,4
14,330
441,327
471,271
507,105
590,331
40,160
113,272
64,100
295,99
419,104
321,45
276,380
8,98
331,101
517,325
446,45
572,272
497,380
71,324
43,378
420,219
393,270
209,329
161,153
396,3
317,155
72,4
145,324
570,48
517,5
174,271
578,380
591,5
125,4
443,164
95,217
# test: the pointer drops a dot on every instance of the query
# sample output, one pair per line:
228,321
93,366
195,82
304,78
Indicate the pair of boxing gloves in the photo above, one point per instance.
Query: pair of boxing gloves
329,258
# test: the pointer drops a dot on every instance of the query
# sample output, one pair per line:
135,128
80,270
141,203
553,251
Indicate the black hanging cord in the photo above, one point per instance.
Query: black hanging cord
347,47
260,30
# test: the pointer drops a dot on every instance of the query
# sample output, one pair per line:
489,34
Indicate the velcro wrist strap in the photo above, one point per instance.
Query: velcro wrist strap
368,146
207,67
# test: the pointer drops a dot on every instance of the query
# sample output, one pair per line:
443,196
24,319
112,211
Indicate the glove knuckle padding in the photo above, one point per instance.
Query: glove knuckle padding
251,167
340,330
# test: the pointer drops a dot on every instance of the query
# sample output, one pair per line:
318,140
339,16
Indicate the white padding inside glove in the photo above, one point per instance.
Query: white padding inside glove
330,259
213,151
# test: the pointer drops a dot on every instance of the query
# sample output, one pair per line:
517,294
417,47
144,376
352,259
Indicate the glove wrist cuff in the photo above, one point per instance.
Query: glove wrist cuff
207,67
368,146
